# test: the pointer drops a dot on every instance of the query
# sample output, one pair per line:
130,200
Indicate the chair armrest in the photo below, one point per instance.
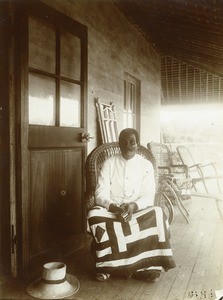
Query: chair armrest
166,177
195,166
215,166
166,168
180,169
209,169
90,201
179,165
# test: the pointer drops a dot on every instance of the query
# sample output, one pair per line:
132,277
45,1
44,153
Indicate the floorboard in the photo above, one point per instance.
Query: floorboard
197,249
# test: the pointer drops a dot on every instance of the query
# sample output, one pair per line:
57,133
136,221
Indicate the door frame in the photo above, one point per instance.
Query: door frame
7,141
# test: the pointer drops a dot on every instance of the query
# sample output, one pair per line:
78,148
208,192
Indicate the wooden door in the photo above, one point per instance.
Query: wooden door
52,89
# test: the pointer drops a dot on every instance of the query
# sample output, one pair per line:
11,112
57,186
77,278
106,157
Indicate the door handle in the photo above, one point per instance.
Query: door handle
85,137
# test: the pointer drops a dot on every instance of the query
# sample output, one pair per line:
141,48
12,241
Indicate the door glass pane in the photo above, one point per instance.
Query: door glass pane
41,100
69,104
70,56
42,43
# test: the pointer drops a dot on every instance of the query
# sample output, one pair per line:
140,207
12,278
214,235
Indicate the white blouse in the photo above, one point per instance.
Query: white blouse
124,181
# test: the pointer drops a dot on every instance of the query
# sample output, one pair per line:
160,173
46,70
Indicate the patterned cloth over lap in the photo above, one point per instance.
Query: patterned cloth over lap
123,248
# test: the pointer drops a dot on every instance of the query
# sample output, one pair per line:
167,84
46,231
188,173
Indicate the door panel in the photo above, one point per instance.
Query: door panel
53,95
56,198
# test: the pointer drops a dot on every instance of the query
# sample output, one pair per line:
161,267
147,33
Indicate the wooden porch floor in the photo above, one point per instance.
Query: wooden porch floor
197,248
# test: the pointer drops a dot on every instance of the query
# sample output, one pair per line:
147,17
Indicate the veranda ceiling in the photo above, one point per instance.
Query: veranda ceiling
188,34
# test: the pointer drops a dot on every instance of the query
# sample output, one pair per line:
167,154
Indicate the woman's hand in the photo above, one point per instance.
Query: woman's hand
117,210
129,209
124,211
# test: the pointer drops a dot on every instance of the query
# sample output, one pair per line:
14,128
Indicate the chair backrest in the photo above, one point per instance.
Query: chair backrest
96,159
161,153
107,121
185,156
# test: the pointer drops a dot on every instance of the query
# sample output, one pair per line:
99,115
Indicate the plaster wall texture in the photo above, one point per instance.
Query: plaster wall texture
115,46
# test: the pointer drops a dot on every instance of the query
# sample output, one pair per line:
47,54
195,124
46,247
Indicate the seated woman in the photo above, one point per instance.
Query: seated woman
131,235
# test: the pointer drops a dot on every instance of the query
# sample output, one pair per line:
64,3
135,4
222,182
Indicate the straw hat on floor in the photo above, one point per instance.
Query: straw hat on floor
54,283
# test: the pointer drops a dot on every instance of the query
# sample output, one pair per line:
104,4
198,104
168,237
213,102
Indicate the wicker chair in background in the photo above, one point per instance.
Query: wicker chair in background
174,177
93,166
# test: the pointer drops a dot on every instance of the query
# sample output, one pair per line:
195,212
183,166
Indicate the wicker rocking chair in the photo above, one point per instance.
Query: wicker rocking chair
175,178
93,166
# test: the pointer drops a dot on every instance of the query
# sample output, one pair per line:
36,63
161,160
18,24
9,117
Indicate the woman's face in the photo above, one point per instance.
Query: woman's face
128,145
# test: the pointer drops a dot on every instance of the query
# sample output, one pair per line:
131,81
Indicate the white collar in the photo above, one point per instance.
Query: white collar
129,161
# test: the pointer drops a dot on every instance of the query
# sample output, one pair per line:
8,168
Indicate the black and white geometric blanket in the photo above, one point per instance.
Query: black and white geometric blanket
126,247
